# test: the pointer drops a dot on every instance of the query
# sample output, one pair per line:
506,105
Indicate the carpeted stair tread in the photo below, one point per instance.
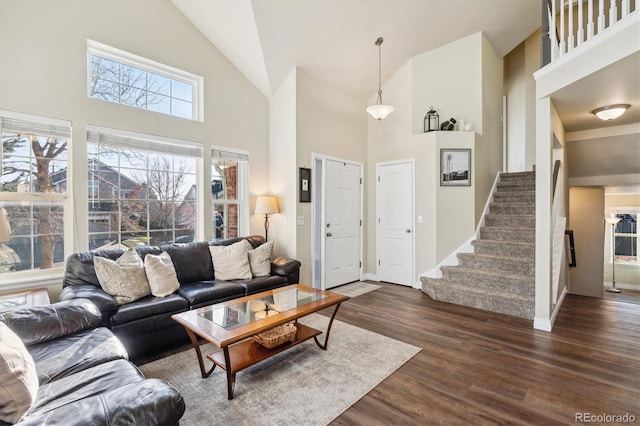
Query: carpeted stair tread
508,234
518,175
510,220
494,301
507,263
515,248
502,281
515,196
512,208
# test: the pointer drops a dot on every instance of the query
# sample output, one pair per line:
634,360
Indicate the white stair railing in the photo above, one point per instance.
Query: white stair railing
567,33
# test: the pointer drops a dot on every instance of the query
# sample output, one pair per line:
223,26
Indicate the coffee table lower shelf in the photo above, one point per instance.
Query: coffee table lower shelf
248,352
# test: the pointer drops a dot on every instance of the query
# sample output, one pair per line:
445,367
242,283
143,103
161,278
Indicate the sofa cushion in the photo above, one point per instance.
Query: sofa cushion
259,284
75,352
161,274
260,260
148,307
231,262
18,377
192,261
84,384
125,283
207,292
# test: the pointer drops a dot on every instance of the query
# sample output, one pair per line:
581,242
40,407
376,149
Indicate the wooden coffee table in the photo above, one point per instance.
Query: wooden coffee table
230,325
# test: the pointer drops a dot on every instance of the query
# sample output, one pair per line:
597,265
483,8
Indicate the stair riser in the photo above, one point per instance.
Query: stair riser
525,235
505,249
514,197
518,176
505,284
512,266
511,221
512,208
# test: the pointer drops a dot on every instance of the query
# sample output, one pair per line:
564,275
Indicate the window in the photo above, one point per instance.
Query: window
33,191
230,212
123,78
145,188
626,235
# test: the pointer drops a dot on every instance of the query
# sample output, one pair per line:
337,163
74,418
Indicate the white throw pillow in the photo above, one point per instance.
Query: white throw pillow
18,377
161,274
125,283
130,258
260,259
231,262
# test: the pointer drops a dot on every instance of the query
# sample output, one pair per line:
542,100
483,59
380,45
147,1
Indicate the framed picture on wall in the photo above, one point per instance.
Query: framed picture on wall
455,167
304,192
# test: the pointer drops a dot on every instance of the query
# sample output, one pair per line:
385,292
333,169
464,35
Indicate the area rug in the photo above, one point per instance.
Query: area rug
355,289
302,386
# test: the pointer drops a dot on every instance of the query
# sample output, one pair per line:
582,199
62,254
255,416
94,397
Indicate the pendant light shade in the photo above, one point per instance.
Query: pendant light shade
379,111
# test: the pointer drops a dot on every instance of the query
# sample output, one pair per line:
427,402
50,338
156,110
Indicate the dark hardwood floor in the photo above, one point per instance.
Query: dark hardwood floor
479,368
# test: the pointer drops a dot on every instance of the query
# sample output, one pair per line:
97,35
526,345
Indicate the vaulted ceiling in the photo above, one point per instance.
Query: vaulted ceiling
333,40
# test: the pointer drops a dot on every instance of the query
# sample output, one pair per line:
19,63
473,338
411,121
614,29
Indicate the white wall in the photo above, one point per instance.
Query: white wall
43,71
328,122
282,157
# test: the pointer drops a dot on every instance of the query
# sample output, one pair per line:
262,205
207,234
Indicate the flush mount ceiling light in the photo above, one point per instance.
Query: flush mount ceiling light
610,112
379,111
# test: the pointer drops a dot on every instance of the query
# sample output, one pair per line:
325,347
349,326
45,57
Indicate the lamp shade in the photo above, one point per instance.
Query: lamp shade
612,220
380,112
266,204
5,229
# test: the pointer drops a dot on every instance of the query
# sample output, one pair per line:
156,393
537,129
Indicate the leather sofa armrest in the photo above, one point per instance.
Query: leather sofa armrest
104,301
148,402
288,268
41,323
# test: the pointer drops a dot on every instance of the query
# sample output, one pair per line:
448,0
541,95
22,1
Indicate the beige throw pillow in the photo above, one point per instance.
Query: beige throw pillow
125,283
260,259
231,262
18,377
161,274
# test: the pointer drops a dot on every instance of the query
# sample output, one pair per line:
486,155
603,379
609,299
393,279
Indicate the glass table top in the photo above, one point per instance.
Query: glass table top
236,315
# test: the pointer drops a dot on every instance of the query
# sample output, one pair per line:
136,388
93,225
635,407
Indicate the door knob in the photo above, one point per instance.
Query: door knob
329,234
408,231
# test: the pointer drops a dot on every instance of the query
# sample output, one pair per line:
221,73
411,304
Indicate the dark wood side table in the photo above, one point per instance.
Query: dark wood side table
23,299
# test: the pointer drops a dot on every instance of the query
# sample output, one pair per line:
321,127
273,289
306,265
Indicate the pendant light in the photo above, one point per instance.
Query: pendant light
379,111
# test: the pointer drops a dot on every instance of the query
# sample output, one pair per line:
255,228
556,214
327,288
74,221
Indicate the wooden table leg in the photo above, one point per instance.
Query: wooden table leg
196,346
326,337
231,377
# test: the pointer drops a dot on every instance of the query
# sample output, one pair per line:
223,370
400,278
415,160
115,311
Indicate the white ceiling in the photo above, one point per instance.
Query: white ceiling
333,40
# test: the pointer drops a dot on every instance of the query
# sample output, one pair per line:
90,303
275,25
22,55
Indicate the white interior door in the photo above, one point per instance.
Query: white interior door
342,225
395,228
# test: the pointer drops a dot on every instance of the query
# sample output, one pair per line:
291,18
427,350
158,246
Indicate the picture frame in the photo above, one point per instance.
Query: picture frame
455,167
304,185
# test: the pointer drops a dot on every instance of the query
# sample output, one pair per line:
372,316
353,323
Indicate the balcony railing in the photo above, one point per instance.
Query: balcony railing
566,24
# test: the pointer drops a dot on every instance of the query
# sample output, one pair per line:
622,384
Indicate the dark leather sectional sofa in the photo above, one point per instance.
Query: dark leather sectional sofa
83,372
145,326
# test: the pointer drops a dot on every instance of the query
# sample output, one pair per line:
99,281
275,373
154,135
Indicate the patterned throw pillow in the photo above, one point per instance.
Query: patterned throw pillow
161,274
18,377
231,262
260,259
125,283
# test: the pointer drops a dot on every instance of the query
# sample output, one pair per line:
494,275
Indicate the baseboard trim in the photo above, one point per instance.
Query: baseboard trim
370,277
547,325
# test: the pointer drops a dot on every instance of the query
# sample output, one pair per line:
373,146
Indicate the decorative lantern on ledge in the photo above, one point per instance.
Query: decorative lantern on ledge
431,121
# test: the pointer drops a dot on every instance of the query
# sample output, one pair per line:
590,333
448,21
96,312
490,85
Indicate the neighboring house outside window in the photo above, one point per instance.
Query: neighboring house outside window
626,235
127,79
34,150
143,185
230,211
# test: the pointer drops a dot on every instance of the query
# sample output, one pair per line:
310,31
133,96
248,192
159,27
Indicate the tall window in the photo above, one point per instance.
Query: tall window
127,79
229,192
626,235
33,190
141,188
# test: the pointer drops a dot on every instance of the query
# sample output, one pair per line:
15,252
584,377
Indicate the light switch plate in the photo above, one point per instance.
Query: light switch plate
300,220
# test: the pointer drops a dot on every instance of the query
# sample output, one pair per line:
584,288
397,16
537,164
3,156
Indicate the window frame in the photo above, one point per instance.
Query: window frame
130,59
144,142
241,157
38,277
613,213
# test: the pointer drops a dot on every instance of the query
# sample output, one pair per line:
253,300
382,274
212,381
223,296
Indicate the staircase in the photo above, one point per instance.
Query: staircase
500,275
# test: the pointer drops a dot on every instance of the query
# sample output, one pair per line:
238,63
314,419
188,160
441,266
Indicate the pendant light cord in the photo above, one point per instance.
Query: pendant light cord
379,44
